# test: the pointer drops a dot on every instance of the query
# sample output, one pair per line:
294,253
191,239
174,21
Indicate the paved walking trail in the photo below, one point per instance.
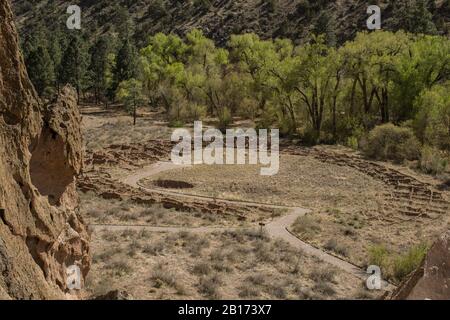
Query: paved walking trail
278,228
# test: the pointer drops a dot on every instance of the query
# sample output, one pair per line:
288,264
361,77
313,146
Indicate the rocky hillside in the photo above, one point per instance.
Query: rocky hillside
295,19
41,232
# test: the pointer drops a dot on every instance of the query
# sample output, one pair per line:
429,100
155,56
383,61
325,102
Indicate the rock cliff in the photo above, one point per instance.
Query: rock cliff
41,232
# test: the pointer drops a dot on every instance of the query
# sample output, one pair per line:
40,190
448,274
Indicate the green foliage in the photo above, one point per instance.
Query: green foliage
432,123
397,266
378,255
126,64
324,94
433,161
410,261
224,119
423,65
100,67
413,16
314,91
389,142
41,69
326,25
129,92
74,64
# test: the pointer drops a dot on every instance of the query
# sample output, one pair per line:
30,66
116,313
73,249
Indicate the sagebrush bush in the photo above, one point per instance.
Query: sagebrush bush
334,246
306,226
389,142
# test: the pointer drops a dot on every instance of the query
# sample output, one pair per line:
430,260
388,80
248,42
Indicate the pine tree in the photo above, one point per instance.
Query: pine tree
129,92
326,25
424,18
99,66
40,69
413,16
74,65
126,61
55,51
123,23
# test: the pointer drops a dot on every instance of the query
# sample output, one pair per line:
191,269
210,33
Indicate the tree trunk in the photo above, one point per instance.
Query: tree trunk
352,99
334,119
134,112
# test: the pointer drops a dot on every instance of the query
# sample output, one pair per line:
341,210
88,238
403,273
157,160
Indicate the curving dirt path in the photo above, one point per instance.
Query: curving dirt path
278,228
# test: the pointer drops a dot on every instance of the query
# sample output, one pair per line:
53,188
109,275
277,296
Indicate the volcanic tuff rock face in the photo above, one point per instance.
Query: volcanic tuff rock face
40,147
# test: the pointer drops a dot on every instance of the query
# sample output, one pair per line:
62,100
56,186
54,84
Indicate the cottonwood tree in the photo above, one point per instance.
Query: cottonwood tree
370,61
208,71
432,122
162,67
424,64
314,75
255,58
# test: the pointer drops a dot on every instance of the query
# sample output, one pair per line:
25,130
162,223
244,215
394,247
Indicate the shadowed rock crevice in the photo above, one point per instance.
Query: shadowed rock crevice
10,118
49,169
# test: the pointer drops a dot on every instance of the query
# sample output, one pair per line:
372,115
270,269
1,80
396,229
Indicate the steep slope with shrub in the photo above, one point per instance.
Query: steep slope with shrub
294,19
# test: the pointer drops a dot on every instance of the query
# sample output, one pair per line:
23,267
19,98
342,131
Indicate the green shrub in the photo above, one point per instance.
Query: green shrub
352,142
249,108
432,161
310,136
225,119
193,112
397,266
378,255
407,263
389,142
287,126
432,122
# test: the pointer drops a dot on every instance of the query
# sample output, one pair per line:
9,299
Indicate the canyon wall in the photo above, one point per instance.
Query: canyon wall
41,232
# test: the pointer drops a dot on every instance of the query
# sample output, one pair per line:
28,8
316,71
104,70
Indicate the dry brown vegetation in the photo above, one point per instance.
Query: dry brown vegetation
103,128
127,212
225,265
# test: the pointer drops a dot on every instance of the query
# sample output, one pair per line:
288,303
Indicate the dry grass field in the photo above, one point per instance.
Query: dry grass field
224,265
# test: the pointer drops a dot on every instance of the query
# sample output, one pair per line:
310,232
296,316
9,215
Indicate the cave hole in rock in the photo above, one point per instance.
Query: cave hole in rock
50,171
